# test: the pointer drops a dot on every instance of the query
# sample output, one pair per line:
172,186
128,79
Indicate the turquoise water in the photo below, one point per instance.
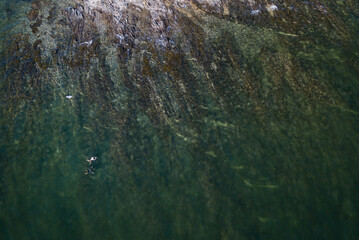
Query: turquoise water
262,143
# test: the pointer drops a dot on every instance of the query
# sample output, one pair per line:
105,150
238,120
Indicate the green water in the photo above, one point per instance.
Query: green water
272,157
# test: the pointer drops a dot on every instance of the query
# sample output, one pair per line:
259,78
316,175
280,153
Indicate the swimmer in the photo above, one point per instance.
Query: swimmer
92,159
87,171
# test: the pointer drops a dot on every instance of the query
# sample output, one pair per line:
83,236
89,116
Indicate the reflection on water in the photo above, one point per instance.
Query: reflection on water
234,129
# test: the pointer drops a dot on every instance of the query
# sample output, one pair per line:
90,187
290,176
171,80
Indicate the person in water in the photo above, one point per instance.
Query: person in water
88,171
92,159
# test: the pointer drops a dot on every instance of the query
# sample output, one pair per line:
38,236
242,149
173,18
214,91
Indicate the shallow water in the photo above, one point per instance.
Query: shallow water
246,132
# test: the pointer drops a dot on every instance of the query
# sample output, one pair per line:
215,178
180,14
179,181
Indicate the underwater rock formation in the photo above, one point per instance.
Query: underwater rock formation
187,44
212,118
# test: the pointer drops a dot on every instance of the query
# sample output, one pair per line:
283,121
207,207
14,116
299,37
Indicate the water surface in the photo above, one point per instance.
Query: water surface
241,129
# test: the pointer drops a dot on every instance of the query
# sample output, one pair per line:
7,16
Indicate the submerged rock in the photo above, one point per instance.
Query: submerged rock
173,96
179,41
